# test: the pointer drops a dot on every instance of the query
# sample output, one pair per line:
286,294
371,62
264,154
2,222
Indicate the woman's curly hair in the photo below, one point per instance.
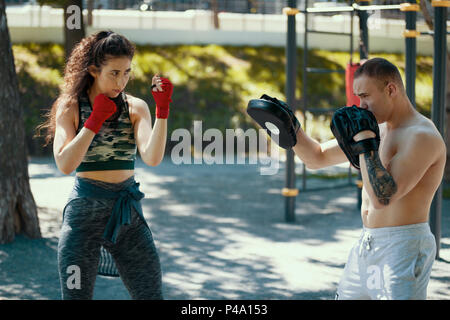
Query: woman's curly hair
94,50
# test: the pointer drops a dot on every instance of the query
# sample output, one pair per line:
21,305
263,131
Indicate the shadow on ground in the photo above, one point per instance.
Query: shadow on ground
220,232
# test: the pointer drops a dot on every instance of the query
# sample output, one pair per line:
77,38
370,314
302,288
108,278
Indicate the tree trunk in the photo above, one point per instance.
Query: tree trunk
73,25
18,212
429,21
90,7
215,10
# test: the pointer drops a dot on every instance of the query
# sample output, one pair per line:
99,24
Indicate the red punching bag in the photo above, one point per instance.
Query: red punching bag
349,74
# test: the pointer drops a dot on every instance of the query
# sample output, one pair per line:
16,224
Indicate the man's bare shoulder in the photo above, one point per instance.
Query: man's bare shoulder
425,128
422,133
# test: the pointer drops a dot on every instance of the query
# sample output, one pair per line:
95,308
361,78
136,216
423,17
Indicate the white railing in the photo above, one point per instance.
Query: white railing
44,24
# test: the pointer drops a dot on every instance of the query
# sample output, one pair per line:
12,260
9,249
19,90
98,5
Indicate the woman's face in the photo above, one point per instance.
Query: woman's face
113,76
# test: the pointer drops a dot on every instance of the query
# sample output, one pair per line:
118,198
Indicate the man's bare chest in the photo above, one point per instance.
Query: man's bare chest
388,147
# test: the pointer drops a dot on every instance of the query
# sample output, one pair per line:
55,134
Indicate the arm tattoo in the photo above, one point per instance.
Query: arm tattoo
382,182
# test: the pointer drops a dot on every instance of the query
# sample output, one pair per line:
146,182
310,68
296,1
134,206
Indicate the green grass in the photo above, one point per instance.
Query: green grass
212,83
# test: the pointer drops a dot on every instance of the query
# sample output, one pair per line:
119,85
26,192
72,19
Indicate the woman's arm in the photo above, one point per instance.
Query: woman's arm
151,142
69,147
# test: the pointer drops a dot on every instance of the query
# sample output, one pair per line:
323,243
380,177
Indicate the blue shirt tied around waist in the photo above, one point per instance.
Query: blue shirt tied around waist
126,199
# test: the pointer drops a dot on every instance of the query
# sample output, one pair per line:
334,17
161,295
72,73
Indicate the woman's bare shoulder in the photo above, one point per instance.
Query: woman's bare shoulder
137,106
136,102
67,110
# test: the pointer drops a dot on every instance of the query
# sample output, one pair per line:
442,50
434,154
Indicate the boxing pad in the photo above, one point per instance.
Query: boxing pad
349,121
276,118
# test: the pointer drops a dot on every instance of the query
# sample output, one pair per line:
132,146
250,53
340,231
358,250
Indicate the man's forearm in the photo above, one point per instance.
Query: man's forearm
381,181
307,149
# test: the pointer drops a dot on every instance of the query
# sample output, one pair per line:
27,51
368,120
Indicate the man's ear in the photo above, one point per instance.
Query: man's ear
93,71
392,89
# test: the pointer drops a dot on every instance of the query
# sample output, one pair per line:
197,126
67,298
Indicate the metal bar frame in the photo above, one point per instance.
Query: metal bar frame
411,48
291,74
307,70
438,108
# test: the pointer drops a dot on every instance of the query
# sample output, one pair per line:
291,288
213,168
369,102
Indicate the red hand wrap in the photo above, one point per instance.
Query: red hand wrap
163,98
103,108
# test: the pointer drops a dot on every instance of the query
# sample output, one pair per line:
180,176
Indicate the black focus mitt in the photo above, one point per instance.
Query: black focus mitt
346,123
276,118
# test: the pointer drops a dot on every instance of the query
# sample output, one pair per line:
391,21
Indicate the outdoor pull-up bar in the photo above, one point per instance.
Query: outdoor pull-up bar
354,7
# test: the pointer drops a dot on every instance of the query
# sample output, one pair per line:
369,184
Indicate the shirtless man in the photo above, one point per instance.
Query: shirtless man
393,257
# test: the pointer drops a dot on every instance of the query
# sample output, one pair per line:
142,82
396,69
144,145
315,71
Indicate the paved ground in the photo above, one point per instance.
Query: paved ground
220,232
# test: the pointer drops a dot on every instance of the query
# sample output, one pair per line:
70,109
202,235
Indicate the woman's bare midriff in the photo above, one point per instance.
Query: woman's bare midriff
110,176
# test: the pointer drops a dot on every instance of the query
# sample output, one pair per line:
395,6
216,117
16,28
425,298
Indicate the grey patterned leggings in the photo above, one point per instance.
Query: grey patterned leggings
134,253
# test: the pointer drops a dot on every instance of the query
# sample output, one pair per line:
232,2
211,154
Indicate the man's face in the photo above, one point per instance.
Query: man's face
113,76
373,97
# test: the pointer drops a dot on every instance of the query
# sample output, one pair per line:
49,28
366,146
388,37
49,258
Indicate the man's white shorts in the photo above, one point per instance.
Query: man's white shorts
389,263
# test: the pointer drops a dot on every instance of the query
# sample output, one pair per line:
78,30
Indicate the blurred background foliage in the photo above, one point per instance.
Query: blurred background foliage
213,83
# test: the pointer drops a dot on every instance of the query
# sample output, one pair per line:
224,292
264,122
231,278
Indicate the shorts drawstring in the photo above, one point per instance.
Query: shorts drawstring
365,242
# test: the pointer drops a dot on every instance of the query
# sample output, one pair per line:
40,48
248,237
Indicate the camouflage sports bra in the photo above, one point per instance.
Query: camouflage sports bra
114,146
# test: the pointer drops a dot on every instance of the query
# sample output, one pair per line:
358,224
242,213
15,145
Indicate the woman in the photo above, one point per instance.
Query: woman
96,128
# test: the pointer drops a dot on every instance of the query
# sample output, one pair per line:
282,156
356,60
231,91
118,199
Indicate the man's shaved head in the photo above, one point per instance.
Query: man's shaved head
382,71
